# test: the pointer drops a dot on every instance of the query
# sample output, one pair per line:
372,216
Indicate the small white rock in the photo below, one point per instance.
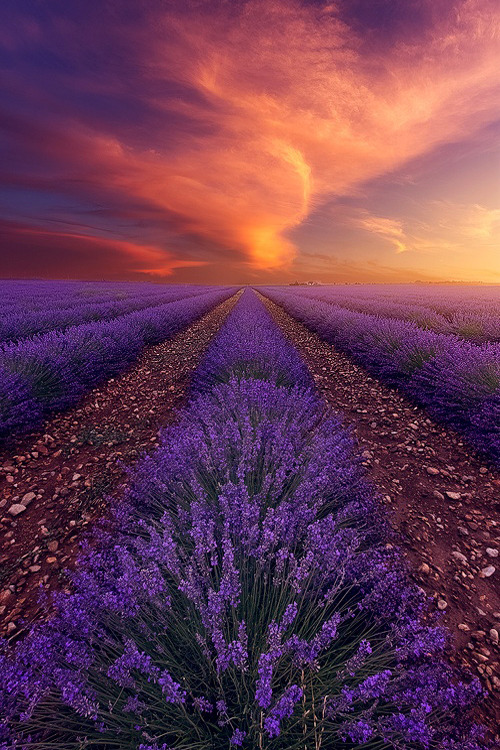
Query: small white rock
491,552
488,571
16,509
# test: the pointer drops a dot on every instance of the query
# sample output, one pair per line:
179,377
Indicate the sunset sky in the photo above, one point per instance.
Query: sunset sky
250,142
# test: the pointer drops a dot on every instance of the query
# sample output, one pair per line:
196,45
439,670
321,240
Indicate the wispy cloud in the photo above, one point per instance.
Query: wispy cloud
254,114
469,222
462,236
390,229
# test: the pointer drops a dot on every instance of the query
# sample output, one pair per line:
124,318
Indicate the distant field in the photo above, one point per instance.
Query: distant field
28,308
469,312
63,338
438,344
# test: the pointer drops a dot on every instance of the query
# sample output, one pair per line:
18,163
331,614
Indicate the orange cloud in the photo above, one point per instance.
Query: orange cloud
285,109
299,115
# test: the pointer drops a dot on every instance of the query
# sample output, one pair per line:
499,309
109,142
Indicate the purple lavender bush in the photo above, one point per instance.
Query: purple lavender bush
244,595
31,308
18,407
53,371
456,381
467,312
258,351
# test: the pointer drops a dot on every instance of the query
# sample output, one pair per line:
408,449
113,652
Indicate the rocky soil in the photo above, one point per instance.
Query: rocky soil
443,500
54,482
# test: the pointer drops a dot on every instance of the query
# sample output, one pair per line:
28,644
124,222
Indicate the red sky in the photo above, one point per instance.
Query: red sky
259,141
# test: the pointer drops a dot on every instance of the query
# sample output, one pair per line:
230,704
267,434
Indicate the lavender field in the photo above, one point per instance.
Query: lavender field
249,375
442,351
246,587
63,345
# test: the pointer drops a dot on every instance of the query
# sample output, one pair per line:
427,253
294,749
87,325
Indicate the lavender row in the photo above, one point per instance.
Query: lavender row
249,346
36,296
445,299
60,313
475,319
456,381
33,294
52,371
244,594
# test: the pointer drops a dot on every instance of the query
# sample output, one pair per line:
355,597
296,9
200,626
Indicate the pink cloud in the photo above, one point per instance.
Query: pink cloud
295,112
298,115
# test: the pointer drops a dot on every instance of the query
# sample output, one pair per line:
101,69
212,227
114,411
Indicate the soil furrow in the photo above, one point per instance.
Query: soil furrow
54,481
443,500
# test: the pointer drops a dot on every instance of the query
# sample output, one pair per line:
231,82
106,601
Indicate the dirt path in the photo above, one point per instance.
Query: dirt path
443,499
57,478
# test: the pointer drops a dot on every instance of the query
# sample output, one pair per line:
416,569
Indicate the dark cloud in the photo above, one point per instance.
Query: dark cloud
29,251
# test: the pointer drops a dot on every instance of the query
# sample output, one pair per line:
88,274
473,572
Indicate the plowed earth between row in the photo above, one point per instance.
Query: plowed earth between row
442,497
63,473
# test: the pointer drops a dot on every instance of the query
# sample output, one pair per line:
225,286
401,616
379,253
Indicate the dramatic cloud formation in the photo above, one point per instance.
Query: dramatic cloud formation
200,134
